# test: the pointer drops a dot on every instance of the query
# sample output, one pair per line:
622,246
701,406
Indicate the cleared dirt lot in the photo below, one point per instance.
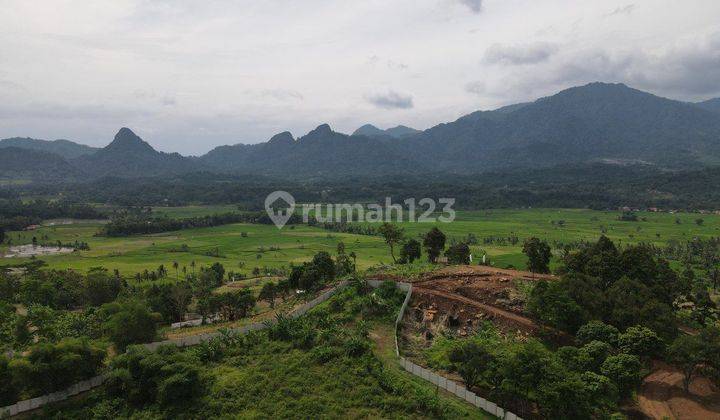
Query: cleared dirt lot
466,295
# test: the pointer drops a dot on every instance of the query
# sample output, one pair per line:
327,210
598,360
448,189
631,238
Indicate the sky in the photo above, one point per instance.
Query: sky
191,75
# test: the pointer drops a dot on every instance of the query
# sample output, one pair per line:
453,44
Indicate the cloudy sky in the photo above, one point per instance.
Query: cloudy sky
190,75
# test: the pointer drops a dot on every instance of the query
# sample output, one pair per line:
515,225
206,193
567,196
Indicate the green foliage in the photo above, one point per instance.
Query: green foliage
597,331
458,253
392,235
276,373
268,293
690,352
471,360
410,251
230,306
434,243
640,341
167,377
538,253
128,323
624,370
50,367
551,303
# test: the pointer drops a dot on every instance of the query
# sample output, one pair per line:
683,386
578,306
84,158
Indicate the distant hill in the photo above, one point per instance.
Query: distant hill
20,163
399,131
65,148
131,157
710,105
320,152
598,122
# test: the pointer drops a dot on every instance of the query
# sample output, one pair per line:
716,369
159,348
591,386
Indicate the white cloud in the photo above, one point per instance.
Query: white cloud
519,54
391,100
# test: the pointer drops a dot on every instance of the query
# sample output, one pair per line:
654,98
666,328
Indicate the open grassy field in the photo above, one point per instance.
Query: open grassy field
656,228
294,245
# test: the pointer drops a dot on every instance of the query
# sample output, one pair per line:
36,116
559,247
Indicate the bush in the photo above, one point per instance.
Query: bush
624,370
640,341
128,323
597,331
52,367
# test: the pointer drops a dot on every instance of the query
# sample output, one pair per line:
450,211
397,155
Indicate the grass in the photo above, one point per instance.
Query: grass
134,254
657,228
256,376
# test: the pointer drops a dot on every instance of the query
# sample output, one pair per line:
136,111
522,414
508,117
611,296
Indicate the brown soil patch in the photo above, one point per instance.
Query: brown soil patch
662,396
463,296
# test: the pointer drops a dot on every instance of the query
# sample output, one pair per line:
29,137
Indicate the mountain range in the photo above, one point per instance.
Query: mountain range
598,122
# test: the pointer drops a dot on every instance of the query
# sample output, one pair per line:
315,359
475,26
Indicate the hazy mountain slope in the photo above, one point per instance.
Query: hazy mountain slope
64,148
593,122
597,122
129,156
397,132
710,105
20,163
320,152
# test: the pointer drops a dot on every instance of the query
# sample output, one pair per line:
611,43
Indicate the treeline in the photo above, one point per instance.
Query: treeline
139,222
596,186
16,214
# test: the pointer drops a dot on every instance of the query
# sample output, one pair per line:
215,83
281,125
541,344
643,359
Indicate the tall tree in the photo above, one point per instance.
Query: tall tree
458,254
392,235
268,293
410,251
434,243
538,253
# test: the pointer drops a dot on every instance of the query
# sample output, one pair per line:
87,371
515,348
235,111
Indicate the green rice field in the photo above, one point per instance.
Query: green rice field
242,247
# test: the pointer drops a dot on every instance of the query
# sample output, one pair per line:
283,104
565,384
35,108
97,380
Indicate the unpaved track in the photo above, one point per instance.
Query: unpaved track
497,312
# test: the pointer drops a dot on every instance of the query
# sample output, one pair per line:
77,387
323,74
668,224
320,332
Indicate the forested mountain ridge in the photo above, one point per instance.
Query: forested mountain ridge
129,156
598,122
65,148
397,132
29,164
594,122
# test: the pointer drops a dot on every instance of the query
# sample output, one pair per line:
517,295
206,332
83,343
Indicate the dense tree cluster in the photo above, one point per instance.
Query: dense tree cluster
48,367
596,186
621,287
16,214
142,221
